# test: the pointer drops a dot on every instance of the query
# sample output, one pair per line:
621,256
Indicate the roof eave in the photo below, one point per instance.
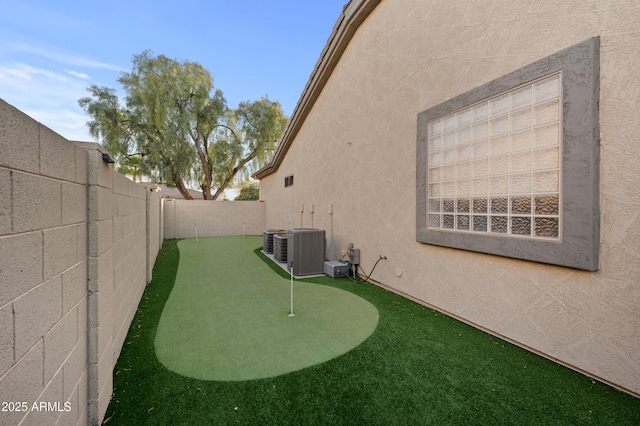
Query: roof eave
352,16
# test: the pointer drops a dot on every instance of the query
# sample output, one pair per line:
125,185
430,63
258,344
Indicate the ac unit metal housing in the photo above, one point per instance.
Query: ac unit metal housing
305,251
280,247
267,239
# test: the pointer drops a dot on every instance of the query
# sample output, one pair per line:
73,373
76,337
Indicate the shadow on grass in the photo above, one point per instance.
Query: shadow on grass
418,367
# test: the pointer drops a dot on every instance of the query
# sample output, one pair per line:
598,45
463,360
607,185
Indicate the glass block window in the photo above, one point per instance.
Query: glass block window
496,166
511,167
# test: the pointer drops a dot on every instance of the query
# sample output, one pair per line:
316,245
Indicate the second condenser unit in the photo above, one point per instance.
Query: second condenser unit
267,239
305,251
280,247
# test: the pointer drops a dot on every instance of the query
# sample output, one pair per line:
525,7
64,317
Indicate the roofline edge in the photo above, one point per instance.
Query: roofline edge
353,15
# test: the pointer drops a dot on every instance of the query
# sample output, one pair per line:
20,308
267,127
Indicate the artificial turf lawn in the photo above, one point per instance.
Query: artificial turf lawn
418,367
233,323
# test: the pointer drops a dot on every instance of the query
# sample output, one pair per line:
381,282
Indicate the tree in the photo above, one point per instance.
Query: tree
250,191
108,120
130,166
172,114
258,125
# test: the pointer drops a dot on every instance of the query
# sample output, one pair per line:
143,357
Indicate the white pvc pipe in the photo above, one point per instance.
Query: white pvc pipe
291,314
196,226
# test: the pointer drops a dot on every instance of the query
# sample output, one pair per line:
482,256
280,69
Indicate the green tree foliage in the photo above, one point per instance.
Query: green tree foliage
250,191
130,166
254,128
173,115
108,120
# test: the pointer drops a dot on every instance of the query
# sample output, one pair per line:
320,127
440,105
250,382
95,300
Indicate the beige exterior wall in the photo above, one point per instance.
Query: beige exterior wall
213,218
354,156
73,266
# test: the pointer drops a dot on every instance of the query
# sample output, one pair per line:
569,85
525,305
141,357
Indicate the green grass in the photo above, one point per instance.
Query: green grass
233,323
418,367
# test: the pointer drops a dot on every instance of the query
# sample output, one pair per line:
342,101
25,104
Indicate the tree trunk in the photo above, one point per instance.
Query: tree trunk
231,175
183,189
206,188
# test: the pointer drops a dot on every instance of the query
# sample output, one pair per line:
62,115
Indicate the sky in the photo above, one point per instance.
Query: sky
52,51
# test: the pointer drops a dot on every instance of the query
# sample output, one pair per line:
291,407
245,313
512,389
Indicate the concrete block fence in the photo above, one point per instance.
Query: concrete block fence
77,246
78,242
213,218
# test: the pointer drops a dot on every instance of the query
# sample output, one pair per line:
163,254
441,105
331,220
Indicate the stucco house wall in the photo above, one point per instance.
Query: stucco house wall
352,152
77,244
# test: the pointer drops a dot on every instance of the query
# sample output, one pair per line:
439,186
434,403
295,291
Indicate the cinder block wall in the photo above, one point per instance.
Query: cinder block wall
156,233
213,218
74,260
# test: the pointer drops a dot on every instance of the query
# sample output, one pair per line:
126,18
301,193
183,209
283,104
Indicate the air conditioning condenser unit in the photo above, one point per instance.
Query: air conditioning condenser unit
305,251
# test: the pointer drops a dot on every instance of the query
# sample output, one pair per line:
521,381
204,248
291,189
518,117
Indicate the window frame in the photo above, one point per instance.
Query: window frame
578,245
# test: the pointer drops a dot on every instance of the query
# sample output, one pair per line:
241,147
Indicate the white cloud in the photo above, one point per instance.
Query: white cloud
37,84
7,73
69,124
27,72
46,83
59,56
79,75
48,97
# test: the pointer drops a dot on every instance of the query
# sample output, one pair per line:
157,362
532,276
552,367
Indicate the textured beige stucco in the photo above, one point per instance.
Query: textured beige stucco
354,156
212,218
